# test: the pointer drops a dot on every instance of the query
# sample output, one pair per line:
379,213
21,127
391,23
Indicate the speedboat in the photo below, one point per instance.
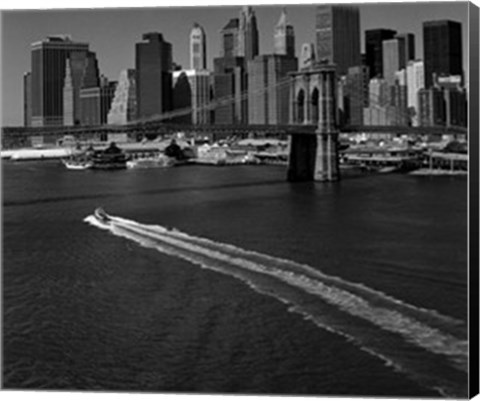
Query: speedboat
101,216
78,164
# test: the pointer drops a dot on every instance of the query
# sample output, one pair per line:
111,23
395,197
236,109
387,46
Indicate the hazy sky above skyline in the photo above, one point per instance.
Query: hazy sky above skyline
112,34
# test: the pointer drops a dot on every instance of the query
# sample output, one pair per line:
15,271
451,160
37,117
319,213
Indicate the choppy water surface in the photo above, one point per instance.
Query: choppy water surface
233,280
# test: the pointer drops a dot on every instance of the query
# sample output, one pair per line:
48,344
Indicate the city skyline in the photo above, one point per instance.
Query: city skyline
113,59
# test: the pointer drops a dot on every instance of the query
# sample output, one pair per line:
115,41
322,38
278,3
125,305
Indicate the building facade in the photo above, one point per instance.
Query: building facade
123,108
229,39
27,99
193,92
248,46
96,101
230,91
307,56
374,49
408,52
337,32
284,37
392,50
81,72
49,59
377,112
198,48
415,82
153,66
268,91
355,96
442,49
432,111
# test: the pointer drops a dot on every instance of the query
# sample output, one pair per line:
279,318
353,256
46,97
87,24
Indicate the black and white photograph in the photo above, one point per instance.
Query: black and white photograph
243,199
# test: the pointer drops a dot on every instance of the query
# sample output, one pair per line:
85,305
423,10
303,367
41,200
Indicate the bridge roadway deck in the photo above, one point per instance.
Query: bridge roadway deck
218,130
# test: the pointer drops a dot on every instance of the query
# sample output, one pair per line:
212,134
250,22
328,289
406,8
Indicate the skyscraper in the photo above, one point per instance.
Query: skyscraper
392,50
442,49
230,40
338,36
124,104
415,82
198,48
49,58
229,85
408,53
27,99
268,89
229,78
193,89
374,49
247,34
356,94
431,107
81,68
284,37
95,102
153,66
307,56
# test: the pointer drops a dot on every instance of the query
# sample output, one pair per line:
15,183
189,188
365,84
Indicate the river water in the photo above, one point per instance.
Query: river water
232,280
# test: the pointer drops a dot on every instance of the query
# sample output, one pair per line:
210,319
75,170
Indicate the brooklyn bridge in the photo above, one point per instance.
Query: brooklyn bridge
312,131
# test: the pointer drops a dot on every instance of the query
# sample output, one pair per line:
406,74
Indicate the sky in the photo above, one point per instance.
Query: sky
112,34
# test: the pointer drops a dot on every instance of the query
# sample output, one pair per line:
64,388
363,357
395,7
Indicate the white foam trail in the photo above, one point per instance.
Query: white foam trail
296,267
327,288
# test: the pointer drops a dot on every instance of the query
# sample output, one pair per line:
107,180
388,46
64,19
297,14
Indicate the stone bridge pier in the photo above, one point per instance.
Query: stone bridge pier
313,156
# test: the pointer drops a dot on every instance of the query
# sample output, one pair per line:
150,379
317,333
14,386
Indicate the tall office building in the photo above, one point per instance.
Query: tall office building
432,110
229,88
247,34
284,37
229,33
95,102
229,78
415,82
81,69
378,102
374,49
397,52
268,90
27,99
193,89
123,108
455,100
408,53
49,58
442,49
153,66
198,48
307,56
392,50
398,100
356,92
338,36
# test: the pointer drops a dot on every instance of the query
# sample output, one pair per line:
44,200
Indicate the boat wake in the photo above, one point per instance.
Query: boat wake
427,346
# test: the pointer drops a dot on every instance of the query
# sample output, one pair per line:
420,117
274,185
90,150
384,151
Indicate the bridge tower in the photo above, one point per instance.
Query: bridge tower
314,156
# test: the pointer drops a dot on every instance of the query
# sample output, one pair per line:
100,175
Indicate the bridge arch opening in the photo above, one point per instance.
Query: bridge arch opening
300,107
314,101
